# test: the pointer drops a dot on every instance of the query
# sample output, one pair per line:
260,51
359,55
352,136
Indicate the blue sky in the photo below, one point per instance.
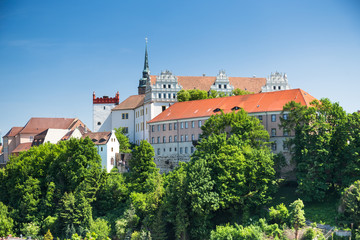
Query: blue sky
54,54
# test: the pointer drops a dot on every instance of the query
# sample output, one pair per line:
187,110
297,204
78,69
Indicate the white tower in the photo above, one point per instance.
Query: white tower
102,112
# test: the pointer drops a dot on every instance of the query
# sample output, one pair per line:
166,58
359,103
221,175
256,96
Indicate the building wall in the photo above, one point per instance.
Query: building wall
112,148
102,117
119,119
169,154
54,135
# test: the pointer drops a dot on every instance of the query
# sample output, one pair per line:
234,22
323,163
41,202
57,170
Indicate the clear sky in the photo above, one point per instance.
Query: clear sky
54,54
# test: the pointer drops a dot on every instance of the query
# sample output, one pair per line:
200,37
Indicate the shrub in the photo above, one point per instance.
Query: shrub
313,233
279,214
101,228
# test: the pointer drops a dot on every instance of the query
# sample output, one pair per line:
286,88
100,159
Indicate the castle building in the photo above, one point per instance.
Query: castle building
276,82
174,132
156,94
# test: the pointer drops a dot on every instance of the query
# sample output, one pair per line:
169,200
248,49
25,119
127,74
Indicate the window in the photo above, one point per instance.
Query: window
181,138
164,127
279,87
175,126
181,125
273,146
104,108
192,124
152,140
175,138
174,95
175,149
99,123
186,124
192,149
170,126
163,108
225,86
112,161
170,138
125,130
285,146
146,110
158,127
219,85
273,132
186,149
286,133
152,128
273,117
285,116
158,139
101,149
260,118
164,150
181,150
159,95
186,138
164,139
164,86
169,86
169,149
274,87
164,95
199,123
158,151
112,149
169,95
192,137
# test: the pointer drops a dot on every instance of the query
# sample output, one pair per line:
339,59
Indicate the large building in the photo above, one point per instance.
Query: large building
174,132
157,93
20,139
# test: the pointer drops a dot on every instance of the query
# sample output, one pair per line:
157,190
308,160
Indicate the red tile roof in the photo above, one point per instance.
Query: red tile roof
22,147
252,103
98,138
38,125
205,82
131,102
13,131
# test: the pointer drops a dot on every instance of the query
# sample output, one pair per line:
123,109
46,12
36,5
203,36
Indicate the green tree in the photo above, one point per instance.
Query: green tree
48,235
297,216
142,166
6,222
238,92
319,146
101,228
192,94
350,203
279,214
123,140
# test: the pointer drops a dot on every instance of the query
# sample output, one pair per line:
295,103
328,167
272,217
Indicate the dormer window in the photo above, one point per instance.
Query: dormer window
217,110
235,108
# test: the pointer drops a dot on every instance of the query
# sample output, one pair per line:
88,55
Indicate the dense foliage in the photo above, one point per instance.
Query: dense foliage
325,148
196,94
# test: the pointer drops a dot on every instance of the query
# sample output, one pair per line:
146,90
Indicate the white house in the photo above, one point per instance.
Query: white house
107,146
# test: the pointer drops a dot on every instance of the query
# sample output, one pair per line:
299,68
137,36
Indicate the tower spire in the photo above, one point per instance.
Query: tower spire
145,73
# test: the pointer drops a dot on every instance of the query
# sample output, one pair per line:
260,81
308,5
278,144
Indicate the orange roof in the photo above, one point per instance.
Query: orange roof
98,138
13,131
252,103
22,147
38,125
205,82
131,102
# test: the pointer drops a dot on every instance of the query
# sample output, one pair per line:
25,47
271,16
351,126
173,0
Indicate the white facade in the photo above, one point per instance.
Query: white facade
124,118
222,83
276,82
107,152
102,117
54,135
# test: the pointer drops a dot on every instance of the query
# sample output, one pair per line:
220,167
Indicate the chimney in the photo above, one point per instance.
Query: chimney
204,74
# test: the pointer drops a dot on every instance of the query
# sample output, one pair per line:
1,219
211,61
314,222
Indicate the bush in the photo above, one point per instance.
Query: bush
30,229
350,202
313,233
279,215
6,222
238,232
101,228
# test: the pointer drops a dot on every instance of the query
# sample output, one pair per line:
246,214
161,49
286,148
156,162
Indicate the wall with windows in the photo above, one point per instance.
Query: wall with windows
125,119
181,135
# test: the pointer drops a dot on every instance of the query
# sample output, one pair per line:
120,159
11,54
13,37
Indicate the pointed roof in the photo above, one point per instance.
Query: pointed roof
13,131
131,102
252,103
38,125
22,147
98,138
146,62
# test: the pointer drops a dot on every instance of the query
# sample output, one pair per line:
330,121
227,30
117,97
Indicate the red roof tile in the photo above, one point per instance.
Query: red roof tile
252,103
131,102
98,138
13,131
38,125
22,147
205,82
